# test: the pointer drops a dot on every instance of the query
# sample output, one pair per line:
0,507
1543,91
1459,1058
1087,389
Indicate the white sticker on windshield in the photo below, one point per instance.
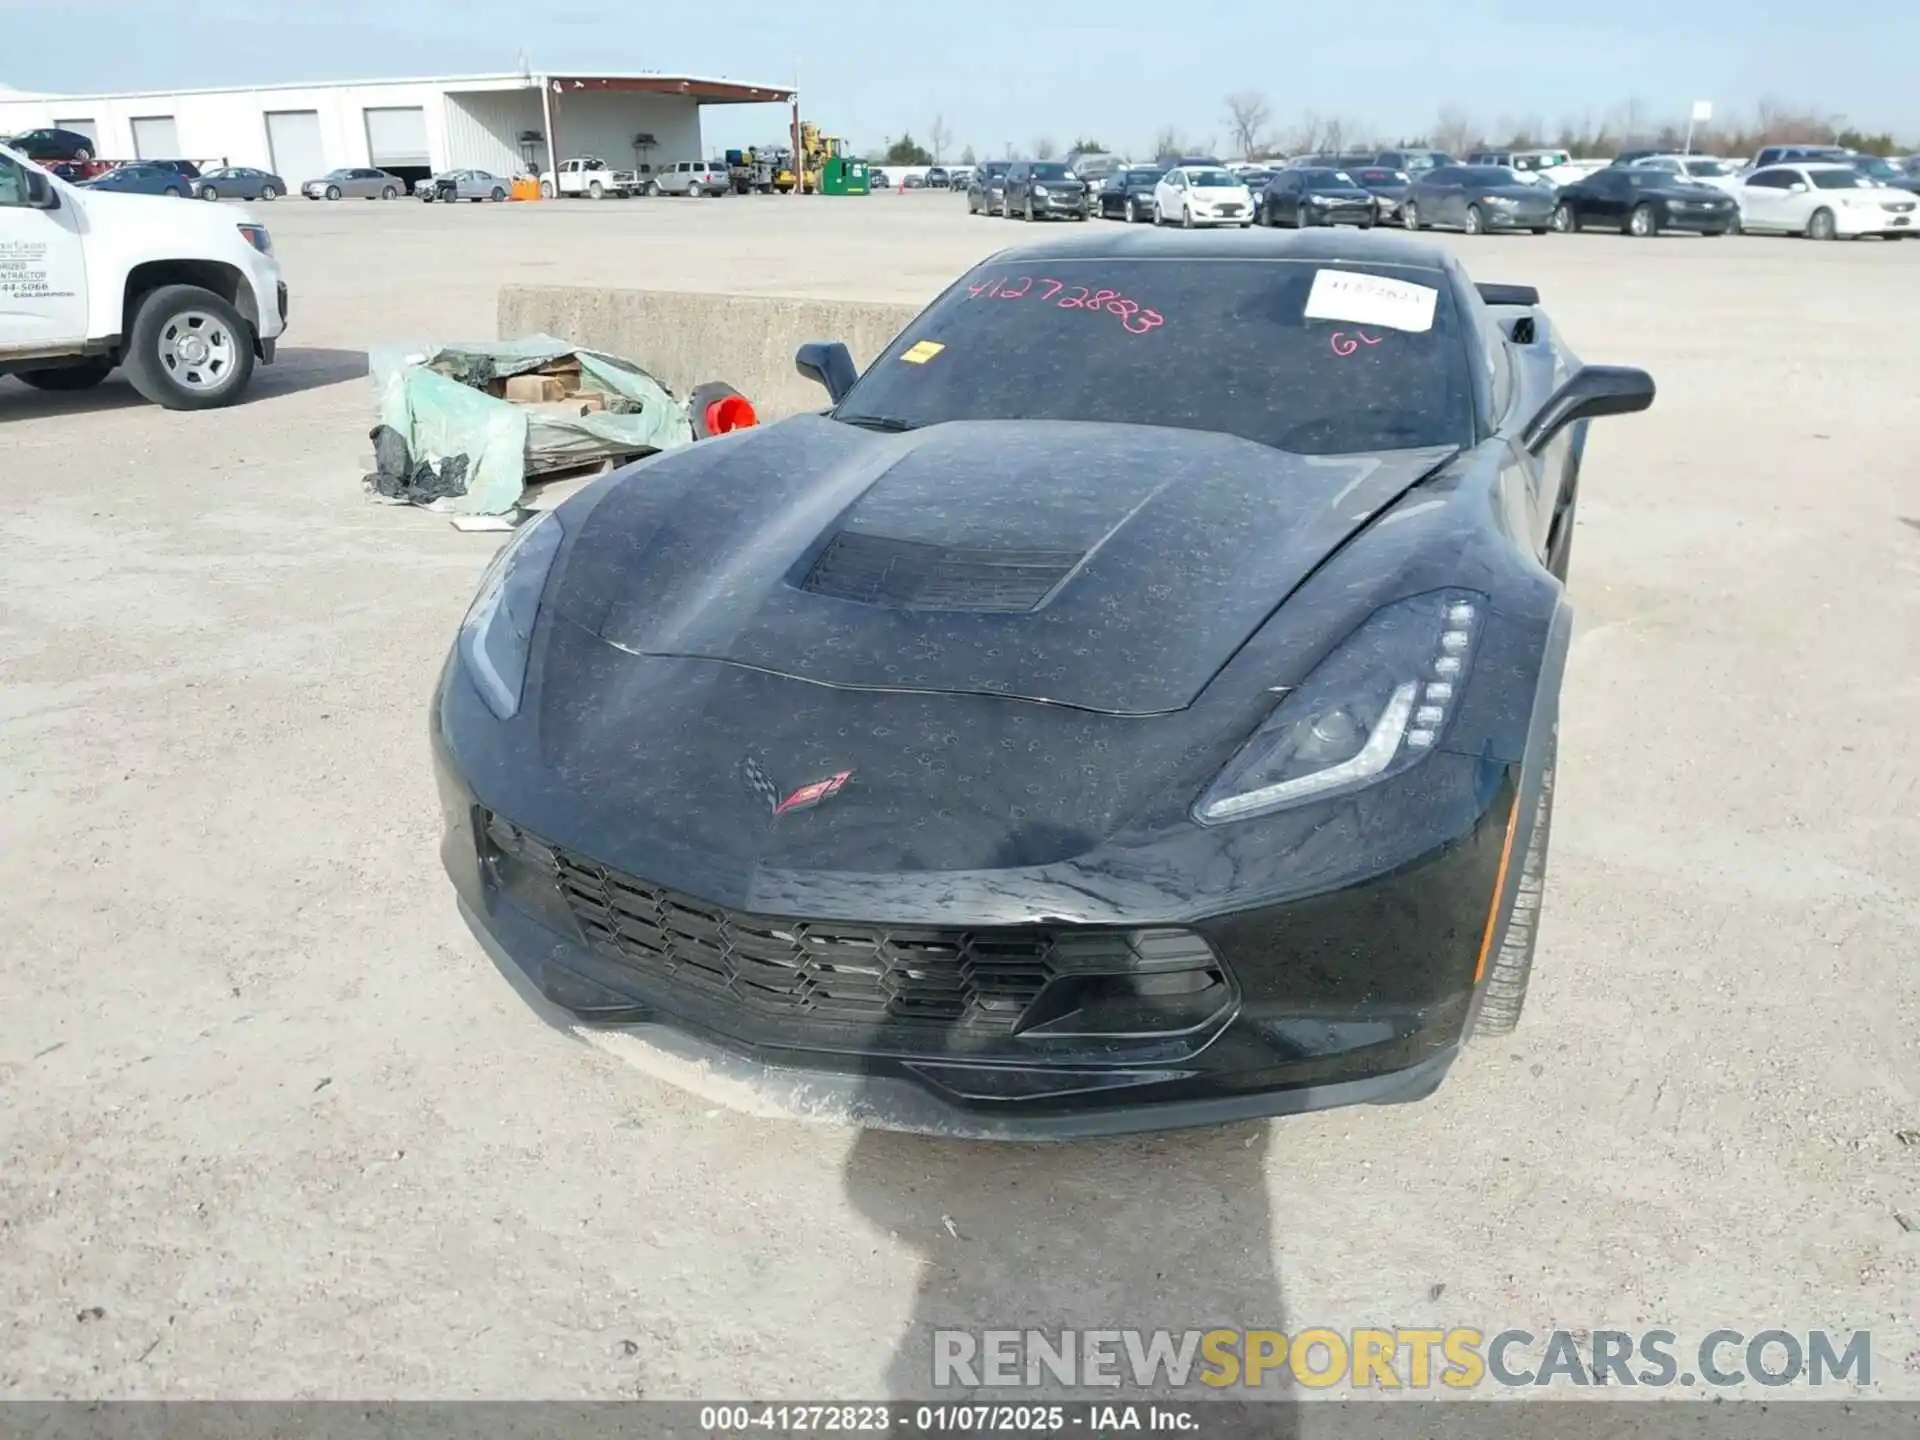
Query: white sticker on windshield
1371,300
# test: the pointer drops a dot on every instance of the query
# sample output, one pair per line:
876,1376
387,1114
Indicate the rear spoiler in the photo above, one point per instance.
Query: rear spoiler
1508,294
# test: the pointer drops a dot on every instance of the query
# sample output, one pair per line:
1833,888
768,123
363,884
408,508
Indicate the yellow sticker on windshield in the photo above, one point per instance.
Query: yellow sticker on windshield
924,351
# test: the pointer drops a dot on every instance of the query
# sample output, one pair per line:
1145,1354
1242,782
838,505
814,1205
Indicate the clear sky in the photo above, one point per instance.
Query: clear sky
1005,73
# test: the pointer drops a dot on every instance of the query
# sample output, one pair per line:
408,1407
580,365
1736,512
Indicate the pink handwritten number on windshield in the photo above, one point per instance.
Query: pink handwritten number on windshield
1342,345
1134,316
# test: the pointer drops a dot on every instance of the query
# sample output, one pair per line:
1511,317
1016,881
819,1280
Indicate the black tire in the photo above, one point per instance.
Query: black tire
171,374
268,192
387,192
172,192
1643,223
208,192
1186,216
1410,215
68,378
1820,225
1302,217
652,190
1133,211
333,192
1510,968
1027,213
1475,223
498,195
1541,229
595,190
1564,220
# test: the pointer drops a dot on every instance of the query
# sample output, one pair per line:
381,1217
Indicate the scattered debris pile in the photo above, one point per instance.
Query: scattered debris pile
464,429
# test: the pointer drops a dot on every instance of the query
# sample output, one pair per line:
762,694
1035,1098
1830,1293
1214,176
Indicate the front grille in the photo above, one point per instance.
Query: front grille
979,980
875,570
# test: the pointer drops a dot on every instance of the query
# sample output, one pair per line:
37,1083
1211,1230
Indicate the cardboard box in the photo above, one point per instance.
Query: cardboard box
534,389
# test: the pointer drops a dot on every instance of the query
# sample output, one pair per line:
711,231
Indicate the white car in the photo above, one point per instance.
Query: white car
1707,169
1193,195
1823,202
184,300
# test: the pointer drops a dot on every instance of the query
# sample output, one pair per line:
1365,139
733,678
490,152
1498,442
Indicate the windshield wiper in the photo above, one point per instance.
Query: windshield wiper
888,423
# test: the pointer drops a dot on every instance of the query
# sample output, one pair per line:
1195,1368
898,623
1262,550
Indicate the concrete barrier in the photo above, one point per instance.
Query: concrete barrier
685,339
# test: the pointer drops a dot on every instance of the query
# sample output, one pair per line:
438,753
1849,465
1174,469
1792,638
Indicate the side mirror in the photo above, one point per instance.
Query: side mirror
1797,188
40,192
829,364
1592,390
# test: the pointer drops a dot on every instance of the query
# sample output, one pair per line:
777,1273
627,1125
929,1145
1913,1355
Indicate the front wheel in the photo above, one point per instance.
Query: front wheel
653,189
188,349
1821,226
596,191
1302,217
333,192
1476,222
1133,213
1410,215
172,192
1641,223
66,378
268,192
1186,217
387,192
498,195
1510,968
207,192
1027,213
1563,218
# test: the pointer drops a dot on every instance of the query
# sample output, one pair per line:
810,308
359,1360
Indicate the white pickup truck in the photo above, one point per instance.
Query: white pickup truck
590,177
186,299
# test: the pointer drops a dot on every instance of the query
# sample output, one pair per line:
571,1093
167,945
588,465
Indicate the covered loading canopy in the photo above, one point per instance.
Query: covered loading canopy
701,91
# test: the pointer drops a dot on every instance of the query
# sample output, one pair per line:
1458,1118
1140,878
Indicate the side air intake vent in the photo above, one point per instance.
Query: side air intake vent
909,575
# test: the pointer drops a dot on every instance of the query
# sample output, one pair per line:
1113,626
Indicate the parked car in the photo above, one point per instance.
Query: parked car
139,178
1475,199
350,183
1173,160
1643,200
915,181
182,300
877,180
1550,167
1320,195
1770,155
1195,195
1414,162
1093,166
960,176
451,185
938,179
1823,201
986,187
1043,190
53,144
1128,194
692,177
185,169
241,182
1878,167
1388,187
1703,169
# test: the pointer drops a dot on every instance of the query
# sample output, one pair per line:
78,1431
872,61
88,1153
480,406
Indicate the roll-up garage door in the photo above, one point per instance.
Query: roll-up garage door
397,137
154,138
80,127
293,139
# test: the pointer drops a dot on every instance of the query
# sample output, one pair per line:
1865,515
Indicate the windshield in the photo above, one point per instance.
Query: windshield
1050,172
1144,177
1221,345
1708,168
340,175
1379,177
1876,167
1215,179
1326,179
1419,160
1840,180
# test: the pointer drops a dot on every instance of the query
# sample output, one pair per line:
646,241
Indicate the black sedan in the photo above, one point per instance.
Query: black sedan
1388,187
1035,749
1476,199
1304,197
1128,194
140,178
1643,202
52,145
986,186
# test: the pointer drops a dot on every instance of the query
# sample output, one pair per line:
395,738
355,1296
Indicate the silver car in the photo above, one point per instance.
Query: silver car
463,185
354,183
692,177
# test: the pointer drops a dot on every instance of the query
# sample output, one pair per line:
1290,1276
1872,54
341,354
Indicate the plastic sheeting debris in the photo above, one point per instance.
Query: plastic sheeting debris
453,444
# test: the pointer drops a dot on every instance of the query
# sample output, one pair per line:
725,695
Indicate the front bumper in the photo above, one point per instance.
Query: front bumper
1359,994
1699,220
1071,207
1519,219
1863,221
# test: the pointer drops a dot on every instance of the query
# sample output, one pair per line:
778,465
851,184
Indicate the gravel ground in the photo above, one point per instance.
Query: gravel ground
271,1125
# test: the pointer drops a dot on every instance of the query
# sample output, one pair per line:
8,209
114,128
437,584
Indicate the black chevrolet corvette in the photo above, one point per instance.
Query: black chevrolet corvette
1132,704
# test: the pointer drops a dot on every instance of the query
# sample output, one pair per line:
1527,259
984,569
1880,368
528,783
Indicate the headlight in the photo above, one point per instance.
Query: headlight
499,625
1372,708
1502,202
1040,190
1322,199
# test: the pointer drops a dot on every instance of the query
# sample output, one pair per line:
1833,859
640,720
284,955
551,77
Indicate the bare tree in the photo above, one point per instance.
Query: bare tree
1043,148
1306,136
1453,130
1247,115
938,137
1335,131
1168,141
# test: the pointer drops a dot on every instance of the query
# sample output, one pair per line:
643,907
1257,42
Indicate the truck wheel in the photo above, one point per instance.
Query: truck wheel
546,190
188,349
596,191
83,376
653,189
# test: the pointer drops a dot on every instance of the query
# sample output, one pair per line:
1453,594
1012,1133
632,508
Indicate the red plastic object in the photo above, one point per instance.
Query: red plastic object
730,412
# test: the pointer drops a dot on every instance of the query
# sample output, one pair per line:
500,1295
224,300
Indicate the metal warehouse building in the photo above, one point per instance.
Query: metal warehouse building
504,123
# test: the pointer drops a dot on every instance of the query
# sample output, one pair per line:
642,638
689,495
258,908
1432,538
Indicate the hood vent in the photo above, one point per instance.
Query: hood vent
909,575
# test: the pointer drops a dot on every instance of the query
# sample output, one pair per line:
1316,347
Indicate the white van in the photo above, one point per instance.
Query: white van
185,298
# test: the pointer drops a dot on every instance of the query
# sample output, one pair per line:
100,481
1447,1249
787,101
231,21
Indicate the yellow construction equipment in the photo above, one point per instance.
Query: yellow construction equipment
817,151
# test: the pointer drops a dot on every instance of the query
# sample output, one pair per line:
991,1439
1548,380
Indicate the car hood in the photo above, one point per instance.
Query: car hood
1341,192
1526,194
1112,568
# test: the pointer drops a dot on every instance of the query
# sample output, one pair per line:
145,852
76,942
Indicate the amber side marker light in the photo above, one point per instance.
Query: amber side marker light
1499,891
